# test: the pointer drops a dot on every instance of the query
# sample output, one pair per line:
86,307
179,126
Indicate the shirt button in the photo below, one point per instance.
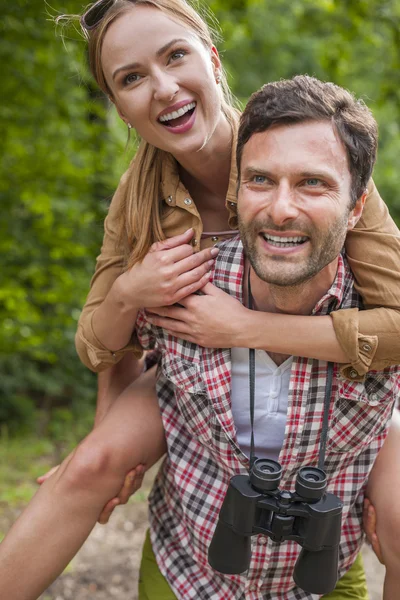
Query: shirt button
374,397
187,201
353,374
262,540
367,348
169,199
215,238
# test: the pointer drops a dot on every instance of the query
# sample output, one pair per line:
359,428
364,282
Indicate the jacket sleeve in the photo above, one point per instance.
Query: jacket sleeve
371,337
109,266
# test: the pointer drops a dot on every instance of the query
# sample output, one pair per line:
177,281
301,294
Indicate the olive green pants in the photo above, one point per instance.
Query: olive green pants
154,586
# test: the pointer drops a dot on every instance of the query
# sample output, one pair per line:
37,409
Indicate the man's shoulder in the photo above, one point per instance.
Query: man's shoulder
228,267
230,254
347,294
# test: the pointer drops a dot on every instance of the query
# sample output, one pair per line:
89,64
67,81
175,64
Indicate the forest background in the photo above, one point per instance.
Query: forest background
62,151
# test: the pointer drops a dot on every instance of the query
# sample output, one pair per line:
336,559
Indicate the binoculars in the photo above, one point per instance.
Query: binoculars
311,517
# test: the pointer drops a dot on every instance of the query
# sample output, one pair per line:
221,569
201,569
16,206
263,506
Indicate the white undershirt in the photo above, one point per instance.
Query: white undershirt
270,402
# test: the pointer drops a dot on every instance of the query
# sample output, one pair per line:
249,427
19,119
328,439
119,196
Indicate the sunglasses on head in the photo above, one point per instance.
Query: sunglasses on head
92,17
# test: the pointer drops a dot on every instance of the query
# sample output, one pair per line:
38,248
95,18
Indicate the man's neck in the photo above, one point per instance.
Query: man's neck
294,300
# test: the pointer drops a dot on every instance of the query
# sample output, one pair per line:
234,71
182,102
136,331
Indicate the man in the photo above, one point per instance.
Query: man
305,154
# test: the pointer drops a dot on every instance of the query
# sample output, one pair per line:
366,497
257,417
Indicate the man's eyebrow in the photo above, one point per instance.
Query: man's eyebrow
317,174
253,170
159,53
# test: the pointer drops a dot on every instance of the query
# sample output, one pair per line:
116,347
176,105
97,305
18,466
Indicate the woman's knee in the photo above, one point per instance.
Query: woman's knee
94,464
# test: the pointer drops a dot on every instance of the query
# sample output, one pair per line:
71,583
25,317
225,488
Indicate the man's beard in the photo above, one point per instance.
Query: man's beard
284,270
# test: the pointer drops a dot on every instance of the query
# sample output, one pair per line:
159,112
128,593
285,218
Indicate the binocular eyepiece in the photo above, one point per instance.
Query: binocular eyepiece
310,516
266,474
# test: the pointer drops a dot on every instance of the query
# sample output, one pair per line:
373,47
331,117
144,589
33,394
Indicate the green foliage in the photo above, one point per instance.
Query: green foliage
57,169
61,153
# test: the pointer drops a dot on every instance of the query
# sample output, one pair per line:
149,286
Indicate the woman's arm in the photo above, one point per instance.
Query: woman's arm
364,340
170,271
216,320
373,252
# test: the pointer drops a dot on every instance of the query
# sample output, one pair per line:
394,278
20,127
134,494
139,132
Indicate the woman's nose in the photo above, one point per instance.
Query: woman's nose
165,87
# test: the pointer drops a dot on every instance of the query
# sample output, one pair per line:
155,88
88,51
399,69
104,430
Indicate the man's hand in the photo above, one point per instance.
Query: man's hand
369,523
212,320
133,482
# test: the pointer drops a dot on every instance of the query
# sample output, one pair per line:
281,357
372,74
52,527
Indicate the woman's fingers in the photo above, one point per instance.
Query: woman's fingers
196,260
173,242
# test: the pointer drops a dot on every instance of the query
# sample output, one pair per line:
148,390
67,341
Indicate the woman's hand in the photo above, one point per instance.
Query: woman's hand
212,320
169,272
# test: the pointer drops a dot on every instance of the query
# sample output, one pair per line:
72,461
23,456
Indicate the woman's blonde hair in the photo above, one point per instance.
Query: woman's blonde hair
141,202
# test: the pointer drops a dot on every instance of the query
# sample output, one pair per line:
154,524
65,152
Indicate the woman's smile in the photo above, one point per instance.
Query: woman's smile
179,118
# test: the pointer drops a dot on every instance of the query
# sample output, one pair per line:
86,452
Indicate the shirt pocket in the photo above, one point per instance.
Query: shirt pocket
190,395
361,412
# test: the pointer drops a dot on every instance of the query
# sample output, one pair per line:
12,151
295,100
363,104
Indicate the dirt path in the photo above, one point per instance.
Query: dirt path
107,566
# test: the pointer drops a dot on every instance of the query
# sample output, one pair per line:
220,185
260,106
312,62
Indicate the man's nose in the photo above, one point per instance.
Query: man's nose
283,206
165,87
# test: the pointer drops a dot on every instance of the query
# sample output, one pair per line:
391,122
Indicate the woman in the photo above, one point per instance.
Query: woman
157,63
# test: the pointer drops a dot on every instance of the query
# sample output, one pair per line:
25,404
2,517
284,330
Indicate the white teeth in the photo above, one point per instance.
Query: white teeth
177,113
283,241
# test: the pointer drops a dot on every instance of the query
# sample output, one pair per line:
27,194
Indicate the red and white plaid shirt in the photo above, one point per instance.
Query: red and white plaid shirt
194,394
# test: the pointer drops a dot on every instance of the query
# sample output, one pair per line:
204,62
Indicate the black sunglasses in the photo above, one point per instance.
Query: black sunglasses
92,17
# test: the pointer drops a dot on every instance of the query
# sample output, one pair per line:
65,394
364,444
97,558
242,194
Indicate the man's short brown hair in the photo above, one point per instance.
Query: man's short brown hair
305,98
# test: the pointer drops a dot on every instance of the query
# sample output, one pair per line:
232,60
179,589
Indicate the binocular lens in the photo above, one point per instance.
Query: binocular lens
266,474
311,483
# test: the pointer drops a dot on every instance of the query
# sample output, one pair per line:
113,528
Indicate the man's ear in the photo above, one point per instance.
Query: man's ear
356,213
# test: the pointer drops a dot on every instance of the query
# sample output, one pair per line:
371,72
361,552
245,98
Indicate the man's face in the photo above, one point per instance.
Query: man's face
294,199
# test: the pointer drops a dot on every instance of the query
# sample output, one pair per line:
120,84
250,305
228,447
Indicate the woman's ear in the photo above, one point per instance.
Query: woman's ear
216,62
121,114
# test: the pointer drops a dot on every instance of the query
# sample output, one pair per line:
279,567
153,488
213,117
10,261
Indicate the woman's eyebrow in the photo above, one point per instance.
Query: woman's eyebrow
167,46
159,52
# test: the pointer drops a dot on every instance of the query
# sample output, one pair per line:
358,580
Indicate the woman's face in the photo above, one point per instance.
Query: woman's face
163,80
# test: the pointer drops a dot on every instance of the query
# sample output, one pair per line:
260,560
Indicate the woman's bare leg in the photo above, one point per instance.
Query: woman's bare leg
383,491
63,512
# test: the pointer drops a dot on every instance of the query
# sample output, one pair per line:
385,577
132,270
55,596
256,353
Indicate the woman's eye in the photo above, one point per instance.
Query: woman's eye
131,78
177,54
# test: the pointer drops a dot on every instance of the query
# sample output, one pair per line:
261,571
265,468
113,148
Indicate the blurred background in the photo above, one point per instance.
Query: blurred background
62,151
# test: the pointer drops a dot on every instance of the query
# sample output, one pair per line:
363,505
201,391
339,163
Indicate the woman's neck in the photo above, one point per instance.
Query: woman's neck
206,173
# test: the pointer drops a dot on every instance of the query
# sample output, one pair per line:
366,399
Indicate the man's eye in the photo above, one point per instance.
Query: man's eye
131,78
259,179
313,182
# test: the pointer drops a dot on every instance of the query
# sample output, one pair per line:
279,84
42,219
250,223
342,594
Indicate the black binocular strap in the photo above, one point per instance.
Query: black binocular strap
252,380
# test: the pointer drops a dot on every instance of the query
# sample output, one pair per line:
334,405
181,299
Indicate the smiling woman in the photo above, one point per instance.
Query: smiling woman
164,70
156,61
